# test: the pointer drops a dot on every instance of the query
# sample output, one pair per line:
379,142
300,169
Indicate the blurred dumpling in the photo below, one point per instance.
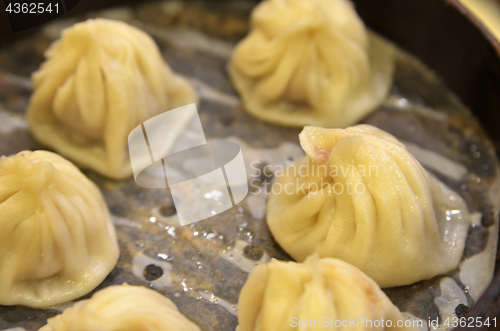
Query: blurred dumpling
124,308
311,62
99,81
57,242
322,293
360,196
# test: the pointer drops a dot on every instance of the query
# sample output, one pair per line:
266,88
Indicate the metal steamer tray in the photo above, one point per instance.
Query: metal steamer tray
201,267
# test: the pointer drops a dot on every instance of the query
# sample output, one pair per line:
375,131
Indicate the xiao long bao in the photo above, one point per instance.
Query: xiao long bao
57,241
325,293
311,62
99,81
124,308
366,200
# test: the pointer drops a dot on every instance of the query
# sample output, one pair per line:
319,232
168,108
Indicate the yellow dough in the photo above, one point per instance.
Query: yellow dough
360,196
283,296
122,308
57,241
311,62
101,80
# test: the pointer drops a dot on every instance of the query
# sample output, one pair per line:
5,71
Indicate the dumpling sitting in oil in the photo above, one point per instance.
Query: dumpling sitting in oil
360,196
311,62
101,80
124,308
57,241
319,293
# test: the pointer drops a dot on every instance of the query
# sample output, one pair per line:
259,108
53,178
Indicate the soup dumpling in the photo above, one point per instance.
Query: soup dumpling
319,293
360,196
57,241
311,62
99,81
124,308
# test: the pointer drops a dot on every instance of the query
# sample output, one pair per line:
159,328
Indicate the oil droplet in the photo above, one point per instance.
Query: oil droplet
211,297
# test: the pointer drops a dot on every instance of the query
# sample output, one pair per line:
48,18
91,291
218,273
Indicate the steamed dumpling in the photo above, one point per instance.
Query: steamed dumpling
57,242
311,62
360,196
123,308
101,80
278,295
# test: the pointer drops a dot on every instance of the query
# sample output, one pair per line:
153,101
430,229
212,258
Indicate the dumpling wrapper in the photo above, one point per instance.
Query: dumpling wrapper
57,241
278,295
124,308
99,81
311,62
362,197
